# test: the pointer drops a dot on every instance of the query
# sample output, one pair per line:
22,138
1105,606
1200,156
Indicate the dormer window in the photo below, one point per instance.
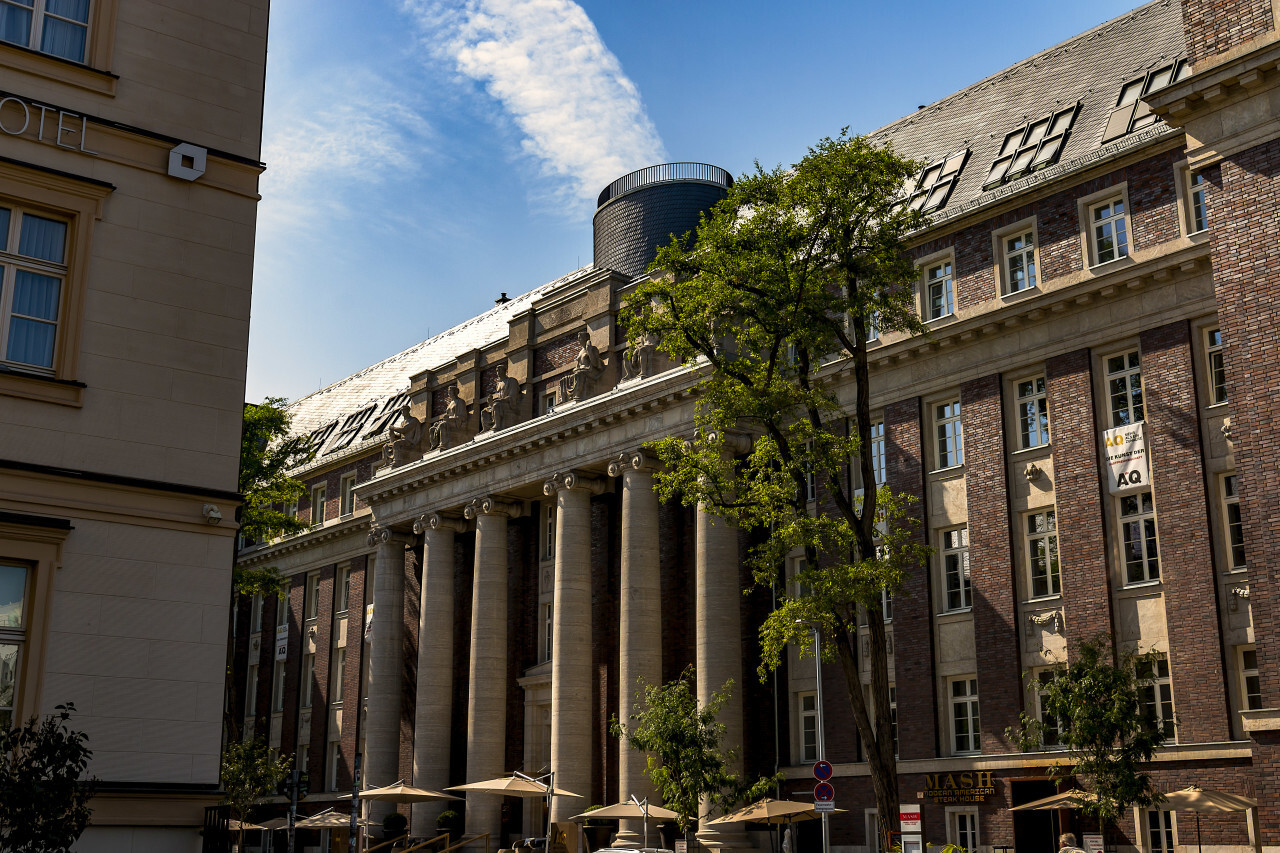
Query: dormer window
1033,146
1130,112
936,182
350,429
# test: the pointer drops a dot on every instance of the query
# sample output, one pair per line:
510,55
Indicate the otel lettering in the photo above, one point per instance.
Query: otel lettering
16,119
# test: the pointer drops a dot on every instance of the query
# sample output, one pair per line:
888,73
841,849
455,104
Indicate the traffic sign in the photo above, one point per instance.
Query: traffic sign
824,792
822,770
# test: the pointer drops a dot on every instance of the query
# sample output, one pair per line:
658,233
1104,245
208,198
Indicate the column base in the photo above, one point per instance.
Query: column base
731,837
631,838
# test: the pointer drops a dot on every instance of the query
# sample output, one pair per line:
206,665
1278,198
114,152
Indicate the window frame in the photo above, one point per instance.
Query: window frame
38,548
971,701
803,717
278,687
969,814
1245,674
1136,410
1161,699
1041,677
1002,255
954,457
308,676
342,590
1039,395
1086,205
1167,826
1150,539
311,600
347,495
93,72
1229,496
1053,574
960,552
1215,366
78,202
319,494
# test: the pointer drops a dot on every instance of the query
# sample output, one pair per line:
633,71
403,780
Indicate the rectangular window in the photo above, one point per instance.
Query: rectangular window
955,568
1049,736
549,531
549,403
13,596
342,590
962,829
946,419
808,727
1110,231
1250,684
57,27
1033,413
886,605
313,595
1157,694
548,630
251,692
1198,213
33,269
893,716
1138,538
873,326
1124,389
1217,368
940,298
282,607
335,762
966,738
337,664
277,688
1042,554
255,615
1235,526
347,494
1019,261
1160,825
308,675
878,470
317,505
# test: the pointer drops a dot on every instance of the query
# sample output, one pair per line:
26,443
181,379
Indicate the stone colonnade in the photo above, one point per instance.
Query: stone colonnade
717,628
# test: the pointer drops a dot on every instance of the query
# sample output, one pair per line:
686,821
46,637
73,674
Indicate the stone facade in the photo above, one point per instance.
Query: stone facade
994,422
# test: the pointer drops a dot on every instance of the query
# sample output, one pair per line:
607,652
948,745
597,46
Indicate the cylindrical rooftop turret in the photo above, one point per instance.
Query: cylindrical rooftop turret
639,212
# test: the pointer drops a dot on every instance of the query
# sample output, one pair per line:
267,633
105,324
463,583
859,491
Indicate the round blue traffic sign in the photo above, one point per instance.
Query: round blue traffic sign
824,792
822,770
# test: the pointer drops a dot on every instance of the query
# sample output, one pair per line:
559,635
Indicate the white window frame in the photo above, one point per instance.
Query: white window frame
879,468
1160,831
962,825
333,759
953,559
282,606
1125,406
1040,541
963,705
308,676
347,495
547,630
35,33
1232,523
1085,207
311,603
1156,698
12,262
948,434
1031,411
1026,253
1110,236
806,724
1247,672
548,402
337,663
1138,536
549,530
1216,367
277,687
1197,208
342,590
944,282
1041,677
317,505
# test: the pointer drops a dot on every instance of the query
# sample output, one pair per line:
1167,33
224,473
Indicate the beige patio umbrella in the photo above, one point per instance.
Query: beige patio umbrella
330,819
1073,799
512,786
275,823
236,825
399,792
1196,799
631,810
769,810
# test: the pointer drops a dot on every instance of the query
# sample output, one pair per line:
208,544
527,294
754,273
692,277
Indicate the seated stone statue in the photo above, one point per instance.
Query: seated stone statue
587,368
450,426
637,362
404,438
504,403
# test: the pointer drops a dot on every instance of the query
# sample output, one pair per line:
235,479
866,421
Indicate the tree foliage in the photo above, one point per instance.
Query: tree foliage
772,303
1096,710
44,802
682,745
267,454
249,776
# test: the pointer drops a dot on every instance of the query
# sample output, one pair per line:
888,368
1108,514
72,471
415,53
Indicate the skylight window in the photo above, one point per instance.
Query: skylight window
320,436
350,428
936,182
1033,146
1131,112
390,409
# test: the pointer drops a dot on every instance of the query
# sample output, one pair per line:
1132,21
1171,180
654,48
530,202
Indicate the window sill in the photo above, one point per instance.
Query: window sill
941,319
1015,295
1236,570
1212,406
1041,600
959,611
1143,584
1036,449
950,469
45,389
60,70
1097,268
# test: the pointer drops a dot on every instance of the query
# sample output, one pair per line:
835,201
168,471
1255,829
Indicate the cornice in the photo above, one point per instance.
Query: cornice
307,539
1216,86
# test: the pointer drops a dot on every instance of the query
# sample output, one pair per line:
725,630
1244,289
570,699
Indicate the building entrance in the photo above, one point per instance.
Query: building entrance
1034,831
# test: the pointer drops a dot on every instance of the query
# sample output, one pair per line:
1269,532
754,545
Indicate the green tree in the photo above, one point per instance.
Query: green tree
249,776
44,802
681,742
773,303
1101,711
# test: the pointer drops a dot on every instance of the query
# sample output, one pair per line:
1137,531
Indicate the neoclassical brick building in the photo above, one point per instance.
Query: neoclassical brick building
1098,273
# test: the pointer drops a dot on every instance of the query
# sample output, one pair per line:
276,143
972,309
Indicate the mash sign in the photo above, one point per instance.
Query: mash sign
966,787
1126,459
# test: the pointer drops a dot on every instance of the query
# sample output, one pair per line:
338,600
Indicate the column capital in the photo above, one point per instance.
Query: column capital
492,505
634,460
734,441
379,535
573,480
436,521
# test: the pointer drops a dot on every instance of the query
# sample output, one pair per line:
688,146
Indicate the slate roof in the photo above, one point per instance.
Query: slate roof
383,386
1090,68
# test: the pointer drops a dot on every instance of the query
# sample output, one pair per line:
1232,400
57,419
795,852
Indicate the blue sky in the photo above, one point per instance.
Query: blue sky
424,155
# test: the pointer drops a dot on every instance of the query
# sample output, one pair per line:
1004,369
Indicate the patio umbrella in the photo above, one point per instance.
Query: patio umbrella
237,825
769,810
1196,799
399,792
512,786
330,819
630,811
1073,799
275,823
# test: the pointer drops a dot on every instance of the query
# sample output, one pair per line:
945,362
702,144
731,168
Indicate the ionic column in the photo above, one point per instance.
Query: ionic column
571,640
431,730
382,719
639,625
719,643
487,685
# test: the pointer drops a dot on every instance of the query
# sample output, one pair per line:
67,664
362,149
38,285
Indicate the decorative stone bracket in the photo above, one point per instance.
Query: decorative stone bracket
1051,622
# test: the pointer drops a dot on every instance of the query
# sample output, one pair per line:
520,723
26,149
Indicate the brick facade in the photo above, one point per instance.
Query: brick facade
1216,26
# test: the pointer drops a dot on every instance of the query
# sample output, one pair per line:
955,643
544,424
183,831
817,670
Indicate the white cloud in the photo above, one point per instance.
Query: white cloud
582,120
